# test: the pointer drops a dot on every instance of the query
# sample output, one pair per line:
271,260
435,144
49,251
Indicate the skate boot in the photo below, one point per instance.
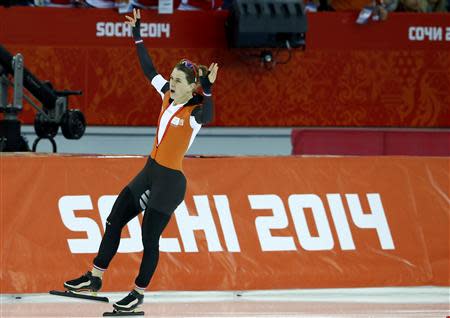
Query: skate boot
85,283
130,303
84,287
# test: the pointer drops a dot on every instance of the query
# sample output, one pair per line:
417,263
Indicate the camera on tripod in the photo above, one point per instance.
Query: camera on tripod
52,114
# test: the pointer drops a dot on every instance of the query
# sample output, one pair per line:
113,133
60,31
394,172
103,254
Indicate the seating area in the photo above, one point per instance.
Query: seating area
314,5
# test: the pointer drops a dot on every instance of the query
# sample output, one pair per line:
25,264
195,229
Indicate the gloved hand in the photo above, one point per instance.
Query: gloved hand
135,24
208,77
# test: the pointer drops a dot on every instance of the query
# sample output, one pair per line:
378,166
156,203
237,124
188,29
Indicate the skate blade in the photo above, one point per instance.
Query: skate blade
122,313
81,295
83,292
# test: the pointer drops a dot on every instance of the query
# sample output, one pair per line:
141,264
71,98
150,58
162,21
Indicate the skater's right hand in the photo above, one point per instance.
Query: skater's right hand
135,23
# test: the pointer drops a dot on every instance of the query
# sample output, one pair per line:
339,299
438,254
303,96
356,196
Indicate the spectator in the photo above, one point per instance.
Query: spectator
383,7
77,3
321,5
104,4
390,5
436,6
9,3
423,5
413,5
145,4
56,3
201,4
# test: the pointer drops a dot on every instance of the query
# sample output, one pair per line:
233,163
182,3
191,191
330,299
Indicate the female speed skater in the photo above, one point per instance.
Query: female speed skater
160,186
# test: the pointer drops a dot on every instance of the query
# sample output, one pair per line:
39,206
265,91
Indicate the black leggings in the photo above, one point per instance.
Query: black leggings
157,190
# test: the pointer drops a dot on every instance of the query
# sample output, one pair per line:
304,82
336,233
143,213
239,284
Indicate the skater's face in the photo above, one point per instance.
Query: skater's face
180,88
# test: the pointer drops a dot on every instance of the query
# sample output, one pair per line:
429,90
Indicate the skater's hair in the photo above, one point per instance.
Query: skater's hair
191,70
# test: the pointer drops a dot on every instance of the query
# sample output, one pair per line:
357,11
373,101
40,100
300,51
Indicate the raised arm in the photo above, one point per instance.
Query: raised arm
144,58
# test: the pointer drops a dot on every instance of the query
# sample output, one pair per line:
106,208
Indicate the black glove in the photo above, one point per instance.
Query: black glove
204,81
137,30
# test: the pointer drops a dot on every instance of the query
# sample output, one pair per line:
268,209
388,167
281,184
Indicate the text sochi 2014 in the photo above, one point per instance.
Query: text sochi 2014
188,224
120,29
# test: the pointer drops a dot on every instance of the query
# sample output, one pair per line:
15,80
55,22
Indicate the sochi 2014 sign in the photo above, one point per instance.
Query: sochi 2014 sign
203,221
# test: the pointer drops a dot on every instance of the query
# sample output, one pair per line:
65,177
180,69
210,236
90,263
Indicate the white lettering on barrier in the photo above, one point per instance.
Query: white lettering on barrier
375,220
226,222
187,224
100,27
169,244
165,28
297,204
324,241
424,33
265,223
204,221
340,221
67,206
120,29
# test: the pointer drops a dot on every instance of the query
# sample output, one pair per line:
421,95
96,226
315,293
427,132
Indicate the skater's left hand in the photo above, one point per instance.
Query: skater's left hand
135,24
209,77
136,18
212,72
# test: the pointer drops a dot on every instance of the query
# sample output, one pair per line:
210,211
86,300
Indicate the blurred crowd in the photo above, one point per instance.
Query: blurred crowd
382,6
106,4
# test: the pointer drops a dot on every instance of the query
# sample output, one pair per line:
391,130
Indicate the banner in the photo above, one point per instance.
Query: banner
246,223
392,73
103,28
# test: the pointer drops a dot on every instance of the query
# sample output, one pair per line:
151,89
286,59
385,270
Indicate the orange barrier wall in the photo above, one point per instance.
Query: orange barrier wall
392,73
246,223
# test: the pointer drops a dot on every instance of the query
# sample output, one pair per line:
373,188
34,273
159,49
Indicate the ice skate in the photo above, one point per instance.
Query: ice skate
128,306
85,287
